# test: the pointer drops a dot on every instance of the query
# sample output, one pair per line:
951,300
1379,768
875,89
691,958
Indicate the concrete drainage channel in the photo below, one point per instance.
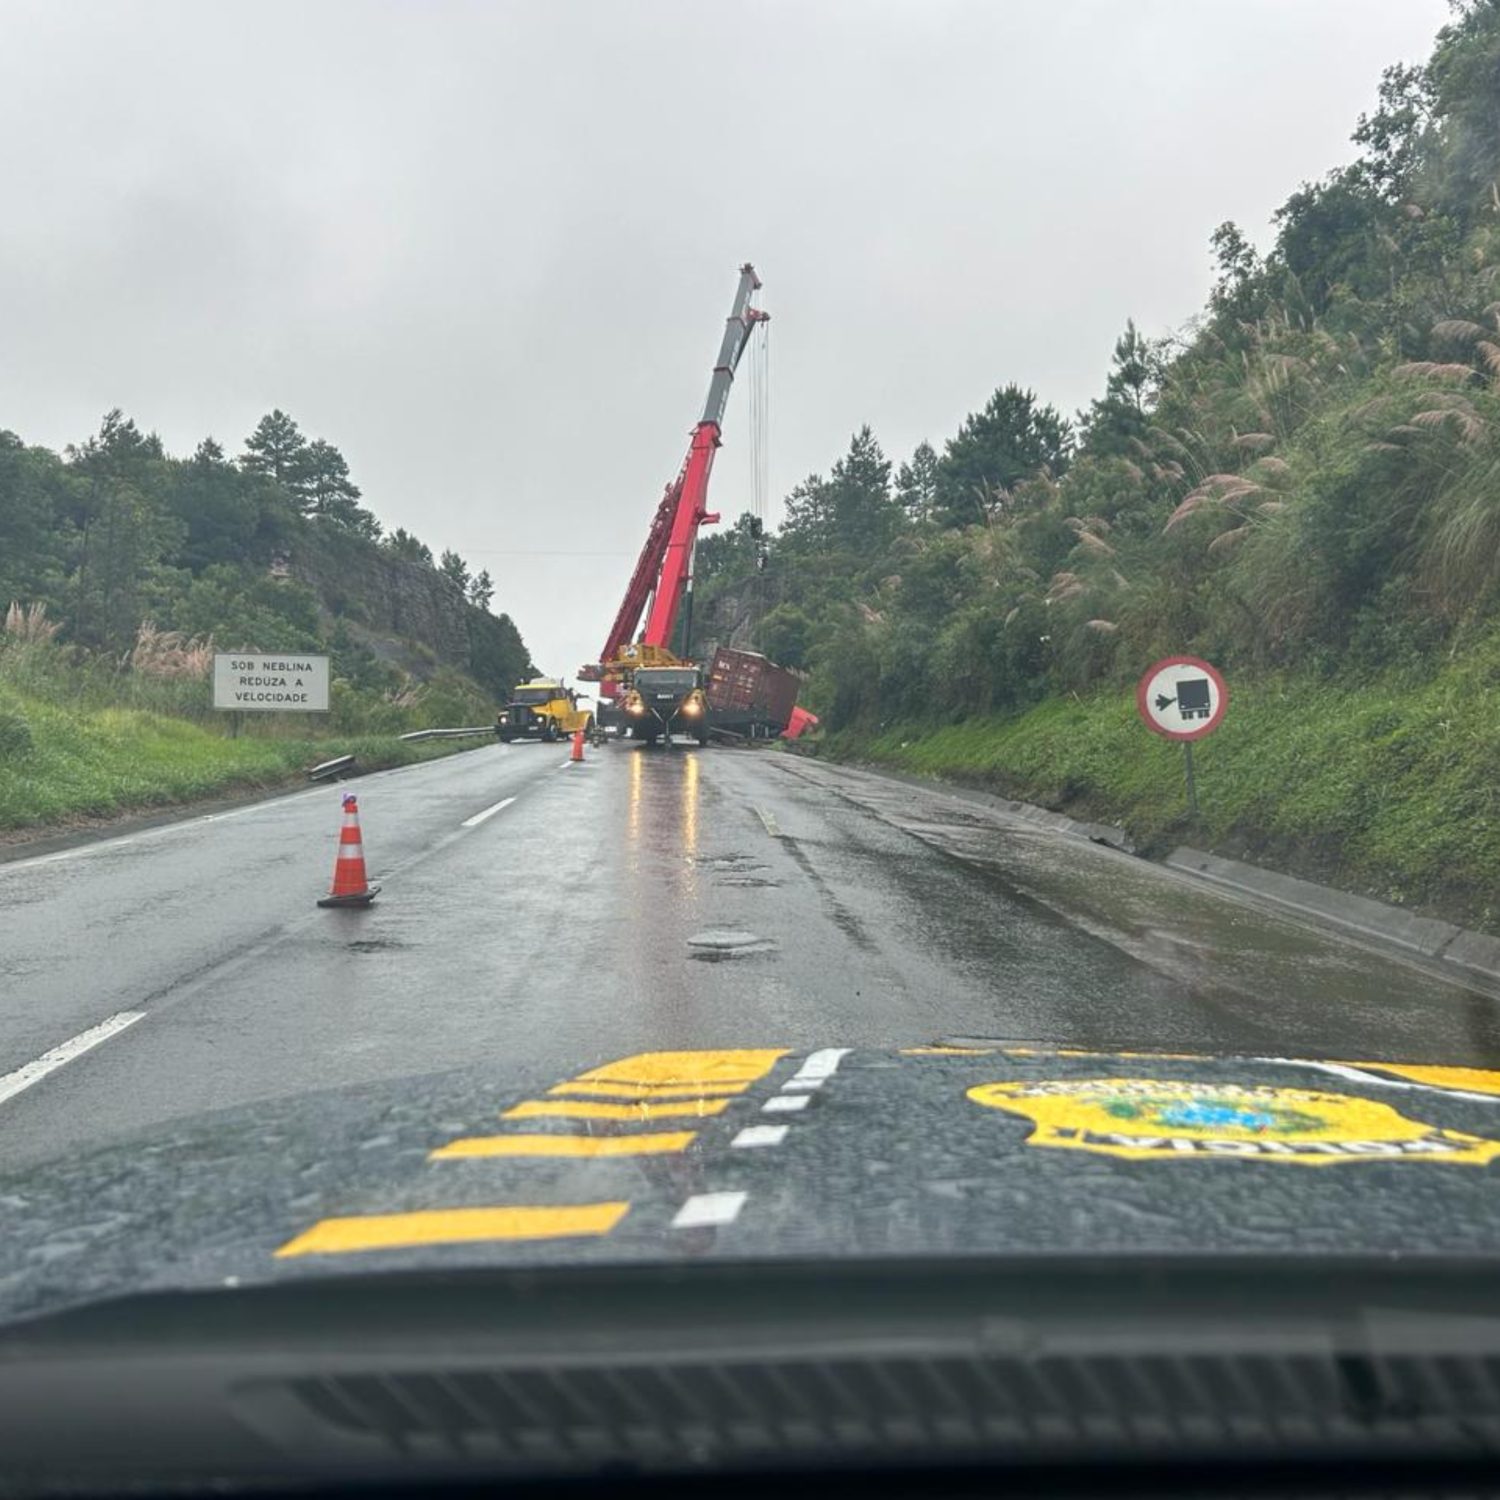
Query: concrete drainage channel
1473,954
1444,942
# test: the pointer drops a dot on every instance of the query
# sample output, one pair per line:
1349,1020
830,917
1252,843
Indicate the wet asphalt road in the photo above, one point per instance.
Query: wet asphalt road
559,932
753,916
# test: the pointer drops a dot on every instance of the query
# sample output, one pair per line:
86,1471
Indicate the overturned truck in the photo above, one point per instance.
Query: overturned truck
749,696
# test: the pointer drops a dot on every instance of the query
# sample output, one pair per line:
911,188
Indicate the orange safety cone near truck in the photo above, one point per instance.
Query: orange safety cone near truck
351,887
577,745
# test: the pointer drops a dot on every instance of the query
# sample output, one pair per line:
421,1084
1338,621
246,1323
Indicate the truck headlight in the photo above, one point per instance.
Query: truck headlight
635,708
692,708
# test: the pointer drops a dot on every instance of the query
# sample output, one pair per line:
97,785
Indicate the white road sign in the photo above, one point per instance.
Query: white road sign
271,682
1182,698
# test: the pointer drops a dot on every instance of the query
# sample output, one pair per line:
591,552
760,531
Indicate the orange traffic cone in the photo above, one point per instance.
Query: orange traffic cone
350,886
577,745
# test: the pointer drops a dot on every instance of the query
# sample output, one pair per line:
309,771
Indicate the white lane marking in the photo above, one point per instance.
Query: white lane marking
784,1103
182,825
564,766
164,830
1377,1080
709,1208
817,1069
761,1135
769,822
249,807
488,812
33,1072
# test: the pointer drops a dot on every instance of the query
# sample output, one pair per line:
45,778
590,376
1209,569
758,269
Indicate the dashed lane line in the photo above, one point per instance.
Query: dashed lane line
649,1086
454,1226
594,1109
819,1067
23,1077
768,821
675,1075
651,1090
199,821
705,1209
726,1065
785,1103
648,1144
488,812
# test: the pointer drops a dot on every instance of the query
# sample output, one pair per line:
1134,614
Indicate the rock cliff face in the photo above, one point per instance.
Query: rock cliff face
408,613
731,615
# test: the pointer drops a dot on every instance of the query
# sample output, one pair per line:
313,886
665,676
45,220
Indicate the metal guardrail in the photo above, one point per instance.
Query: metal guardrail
446,734
338,766
344,765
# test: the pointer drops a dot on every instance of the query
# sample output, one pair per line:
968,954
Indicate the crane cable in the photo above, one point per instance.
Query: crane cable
760,431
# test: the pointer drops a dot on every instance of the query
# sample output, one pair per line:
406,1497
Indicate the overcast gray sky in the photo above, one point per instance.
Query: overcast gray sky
486,249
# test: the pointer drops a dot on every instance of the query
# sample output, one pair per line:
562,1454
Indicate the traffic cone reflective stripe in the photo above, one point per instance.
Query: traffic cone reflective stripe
577,745
351,886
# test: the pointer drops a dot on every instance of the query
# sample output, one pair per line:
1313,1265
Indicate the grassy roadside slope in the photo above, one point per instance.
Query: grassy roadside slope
58,764
1389,787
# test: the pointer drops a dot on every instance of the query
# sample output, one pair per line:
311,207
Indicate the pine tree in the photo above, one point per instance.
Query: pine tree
325,474
481,589
861,511
916,482
218,506
1012,439
1121,414
404,544
124,531
455,568
331,493
807,524
278,451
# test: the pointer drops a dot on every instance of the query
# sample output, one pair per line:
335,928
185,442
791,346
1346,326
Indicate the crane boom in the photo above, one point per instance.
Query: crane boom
664,569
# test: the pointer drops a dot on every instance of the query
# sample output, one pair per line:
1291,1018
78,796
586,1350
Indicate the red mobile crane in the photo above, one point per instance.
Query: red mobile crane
663,575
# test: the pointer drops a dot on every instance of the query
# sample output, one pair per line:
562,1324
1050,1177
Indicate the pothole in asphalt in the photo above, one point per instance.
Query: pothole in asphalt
715,944
735,862
374,945
744,881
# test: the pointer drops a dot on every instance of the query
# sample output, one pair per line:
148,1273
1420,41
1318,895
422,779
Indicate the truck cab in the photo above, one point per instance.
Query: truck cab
667,700
544,709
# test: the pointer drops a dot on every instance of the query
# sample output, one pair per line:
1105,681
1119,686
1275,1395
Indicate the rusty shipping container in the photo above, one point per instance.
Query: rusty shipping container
746,692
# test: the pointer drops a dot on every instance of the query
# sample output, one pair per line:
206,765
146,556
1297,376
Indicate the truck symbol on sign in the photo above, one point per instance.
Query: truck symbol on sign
1191,700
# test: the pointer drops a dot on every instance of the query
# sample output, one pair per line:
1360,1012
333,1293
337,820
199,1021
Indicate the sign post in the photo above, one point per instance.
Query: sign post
1182,698
270,682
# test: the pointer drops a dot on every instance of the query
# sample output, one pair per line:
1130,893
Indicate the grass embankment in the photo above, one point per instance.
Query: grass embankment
1389,787
115,760
69,755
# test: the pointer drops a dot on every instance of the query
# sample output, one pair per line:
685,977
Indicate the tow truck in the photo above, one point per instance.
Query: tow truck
544,709
644,688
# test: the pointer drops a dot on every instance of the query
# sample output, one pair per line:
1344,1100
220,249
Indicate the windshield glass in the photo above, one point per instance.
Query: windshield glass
1086,840
661,680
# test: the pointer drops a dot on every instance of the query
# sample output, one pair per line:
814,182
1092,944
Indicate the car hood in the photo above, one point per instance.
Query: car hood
961,1147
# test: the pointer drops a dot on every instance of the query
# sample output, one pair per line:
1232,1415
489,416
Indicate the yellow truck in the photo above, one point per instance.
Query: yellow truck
544,709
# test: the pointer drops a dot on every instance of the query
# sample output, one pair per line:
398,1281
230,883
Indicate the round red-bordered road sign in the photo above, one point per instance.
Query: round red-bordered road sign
1182,697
